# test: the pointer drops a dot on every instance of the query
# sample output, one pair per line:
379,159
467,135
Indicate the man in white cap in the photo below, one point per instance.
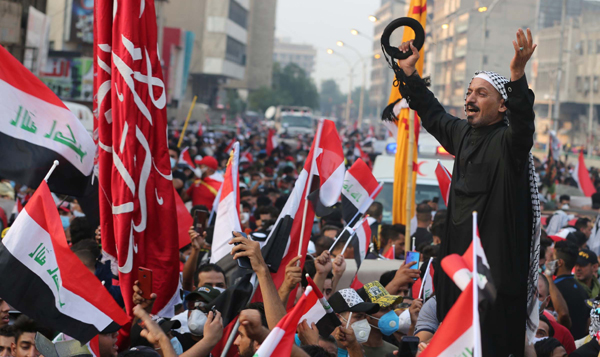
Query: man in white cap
493,175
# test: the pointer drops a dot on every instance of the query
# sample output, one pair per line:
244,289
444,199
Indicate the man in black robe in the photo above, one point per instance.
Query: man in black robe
491,176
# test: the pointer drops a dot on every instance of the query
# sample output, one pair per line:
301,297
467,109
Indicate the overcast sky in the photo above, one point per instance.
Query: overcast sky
323,22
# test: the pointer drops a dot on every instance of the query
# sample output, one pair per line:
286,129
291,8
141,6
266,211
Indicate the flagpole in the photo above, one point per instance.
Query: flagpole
352,234
477,338
313,167
372,196
409,185
54,164
231,337
187,120
425,277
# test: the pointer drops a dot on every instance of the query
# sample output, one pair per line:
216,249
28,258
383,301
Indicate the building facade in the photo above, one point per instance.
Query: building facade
304,56
382,75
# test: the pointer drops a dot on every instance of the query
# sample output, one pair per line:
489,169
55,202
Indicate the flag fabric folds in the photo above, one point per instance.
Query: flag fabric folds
320,312
184,221
60,292
456,336
418,11
359,190
281,338
186,159
582,177
137,203
283,242
361,240
228,211
37,128
444,178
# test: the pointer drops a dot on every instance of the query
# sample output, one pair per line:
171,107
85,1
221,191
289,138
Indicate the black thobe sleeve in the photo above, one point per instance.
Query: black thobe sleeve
519,136
447,129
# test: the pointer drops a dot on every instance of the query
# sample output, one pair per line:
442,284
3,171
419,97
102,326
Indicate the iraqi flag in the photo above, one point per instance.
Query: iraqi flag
37,128
43,279
361,240
460,269
594,240
582,177
320,312
230,146
228,211
281,338
186,159
425,283
327,168
358,192
271,141
323,176
457,334
137,203
444,178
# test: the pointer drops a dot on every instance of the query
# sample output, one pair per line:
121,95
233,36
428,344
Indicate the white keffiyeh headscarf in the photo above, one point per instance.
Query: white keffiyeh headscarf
498,82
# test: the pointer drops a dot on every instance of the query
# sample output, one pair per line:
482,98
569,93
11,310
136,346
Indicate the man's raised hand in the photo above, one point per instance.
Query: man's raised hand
524,48
408,64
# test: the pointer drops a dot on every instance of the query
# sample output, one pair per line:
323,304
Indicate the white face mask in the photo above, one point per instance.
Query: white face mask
244,217
196,322
362,330
173,162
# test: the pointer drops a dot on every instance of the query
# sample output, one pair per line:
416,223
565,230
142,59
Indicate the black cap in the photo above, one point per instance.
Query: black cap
586,257
165,324
349,300
208,293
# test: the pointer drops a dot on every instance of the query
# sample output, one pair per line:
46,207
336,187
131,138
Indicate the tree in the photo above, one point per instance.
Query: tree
291,86
330,98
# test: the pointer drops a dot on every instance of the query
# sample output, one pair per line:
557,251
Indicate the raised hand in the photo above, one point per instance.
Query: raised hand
408,64
323,263
293,274
524,48
138,299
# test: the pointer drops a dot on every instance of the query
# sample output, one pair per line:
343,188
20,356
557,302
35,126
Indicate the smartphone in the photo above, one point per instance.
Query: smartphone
409,346
413,257
244,262
200,221
145,282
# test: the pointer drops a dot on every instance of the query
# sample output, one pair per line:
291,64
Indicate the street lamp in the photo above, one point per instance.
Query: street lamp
377,56
445,26
364,81
350,75
355,32
373,18
482,9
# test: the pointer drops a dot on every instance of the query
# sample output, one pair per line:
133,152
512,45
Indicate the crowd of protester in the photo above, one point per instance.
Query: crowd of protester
569,290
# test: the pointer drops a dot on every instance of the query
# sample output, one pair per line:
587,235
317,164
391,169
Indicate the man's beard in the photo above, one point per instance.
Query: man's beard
249,352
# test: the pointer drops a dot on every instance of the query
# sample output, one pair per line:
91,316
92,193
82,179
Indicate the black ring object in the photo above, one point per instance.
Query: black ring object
418,42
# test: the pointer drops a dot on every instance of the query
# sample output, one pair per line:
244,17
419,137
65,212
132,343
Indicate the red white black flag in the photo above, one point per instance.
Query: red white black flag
358,192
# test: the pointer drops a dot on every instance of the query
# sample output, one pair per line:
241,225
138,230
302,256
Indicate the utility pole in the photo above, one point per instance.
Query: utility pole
556,113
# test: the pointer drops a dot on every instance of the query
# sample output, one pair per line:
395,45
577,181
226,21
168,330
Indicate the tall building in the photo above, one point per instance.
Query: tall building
221,39
286,52
24,30
467,37
579,81
261,40
382,76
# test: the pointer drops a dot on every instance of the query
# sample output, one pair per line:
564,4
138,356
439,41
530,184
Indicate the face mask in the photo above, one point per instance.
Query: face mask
362,330
388,323
552,266
246,179
176,346
245,216
196,322
286,192
66,222
198,172
540,308
78,214
173,162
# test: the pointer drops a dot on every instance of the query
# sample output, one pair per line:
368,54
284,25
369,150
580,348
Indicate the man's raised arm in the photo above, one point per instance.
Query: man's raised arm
520,98
447,129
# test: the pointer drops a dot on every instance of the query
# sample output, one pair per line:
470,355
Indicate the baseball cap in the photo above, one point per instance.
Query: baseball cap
208,161
208,293
349,300
586,257
65,207
165,324
375,292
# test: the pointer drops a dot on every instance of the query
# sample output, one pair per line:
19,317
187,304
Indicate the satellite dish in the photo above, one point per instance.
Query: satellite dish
270,112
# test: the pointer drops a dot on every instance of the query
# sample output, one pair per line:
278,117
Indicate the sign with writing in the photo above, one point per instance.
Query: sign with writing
70,78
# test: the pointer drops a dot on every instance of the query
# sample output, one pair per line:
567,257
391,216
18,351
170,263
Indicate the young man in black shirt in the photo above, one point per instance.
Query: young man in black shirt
565,255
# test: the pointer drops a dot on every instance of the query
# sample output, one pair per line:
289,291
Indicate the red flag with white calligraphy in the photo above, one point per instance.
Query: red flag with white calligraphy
137,203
